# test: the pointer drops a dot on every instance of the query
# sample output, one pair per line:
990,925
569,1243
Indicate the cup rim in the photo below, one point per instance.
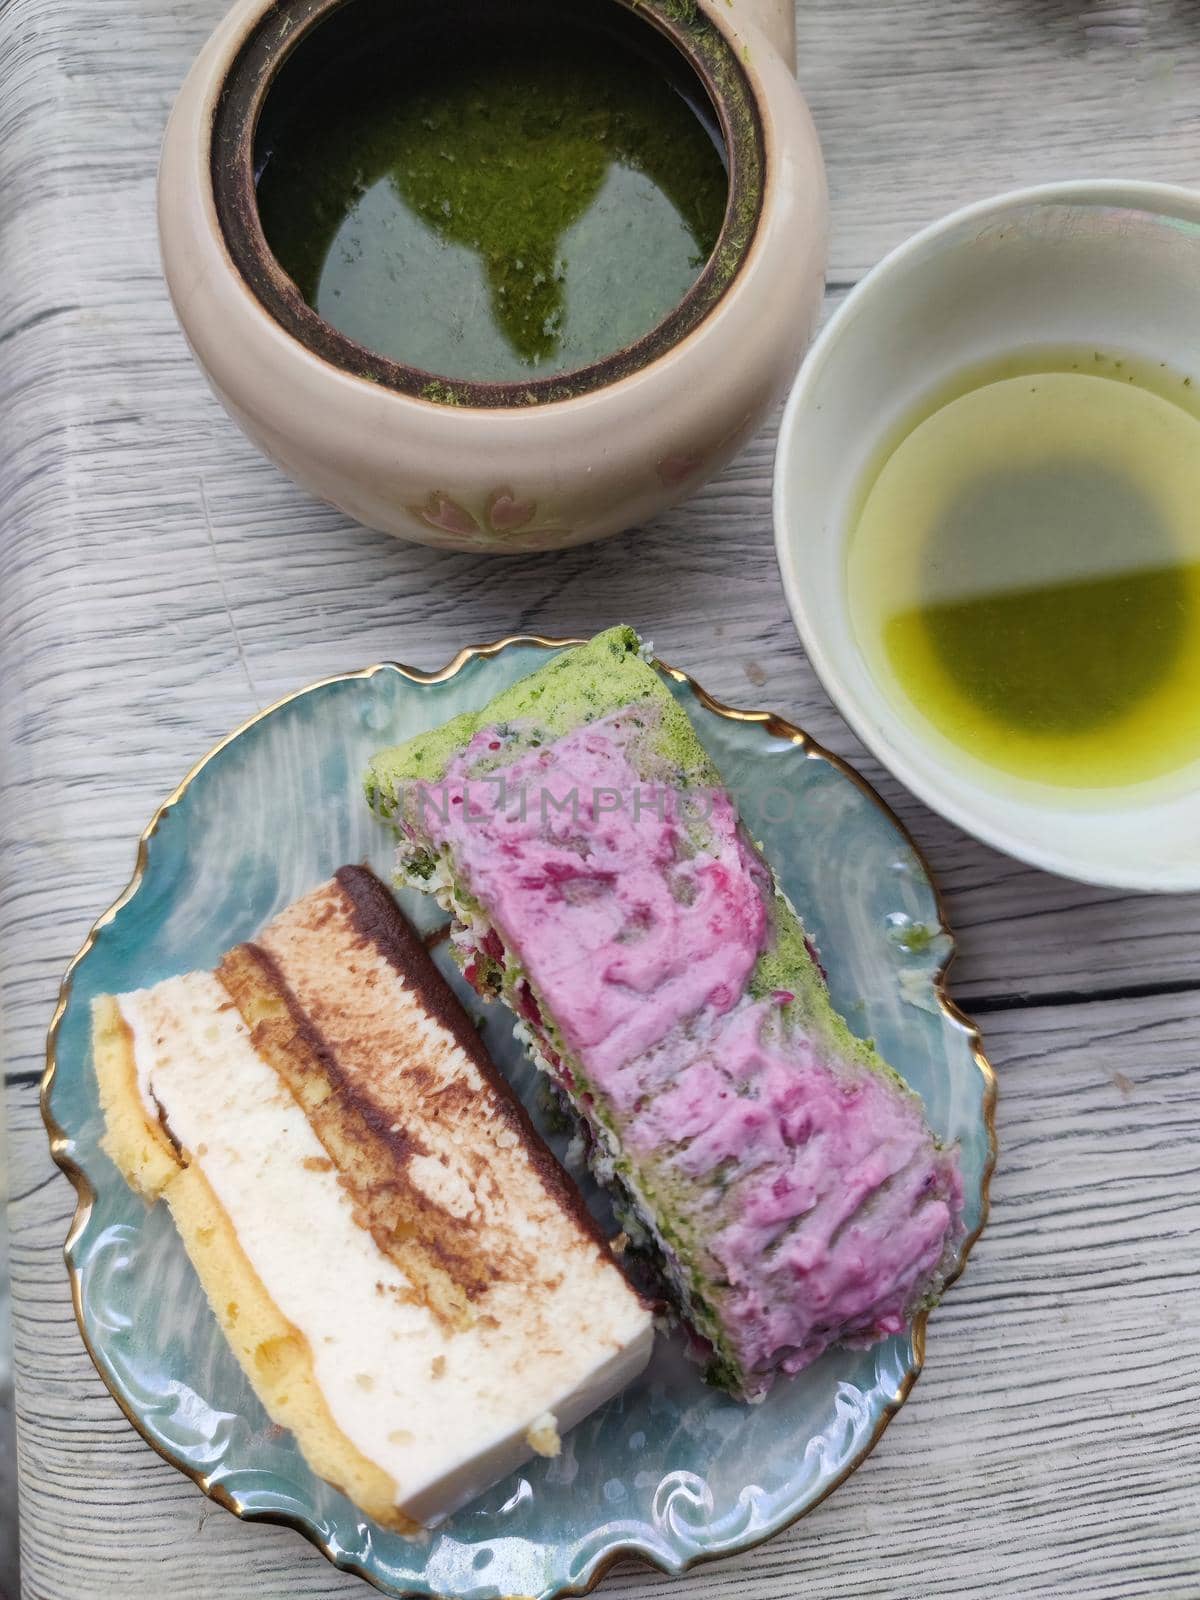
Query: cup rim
1161,199
251,72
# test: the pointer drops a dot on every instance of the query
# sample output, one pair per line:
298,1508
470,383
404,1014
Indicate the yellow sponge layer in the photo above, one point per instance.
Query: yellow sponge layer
272,1352
139,1148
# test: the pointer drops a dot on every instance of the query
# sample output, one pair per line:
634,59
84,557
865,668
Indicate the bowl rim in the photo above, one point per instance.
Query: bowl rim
1154,198
251,71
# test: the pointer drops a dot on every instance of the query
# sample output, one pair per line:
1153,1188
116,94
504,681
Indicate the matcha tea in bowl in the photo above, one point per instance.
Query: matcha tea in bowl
987,511
496,277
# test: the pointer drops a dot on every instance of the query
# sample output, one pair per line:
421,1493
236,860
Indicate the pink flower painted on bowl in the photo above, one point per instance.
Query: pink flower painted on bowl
674,470
505,513
505,520
440,511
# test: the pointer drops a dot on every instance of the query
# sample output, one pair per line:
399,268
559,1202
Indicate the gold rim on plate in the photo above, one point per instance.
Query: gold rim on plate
778,727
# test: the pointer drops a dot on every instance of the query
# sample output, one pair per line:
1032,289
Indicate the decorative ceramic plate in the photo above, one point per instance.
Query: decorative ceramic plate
671,1471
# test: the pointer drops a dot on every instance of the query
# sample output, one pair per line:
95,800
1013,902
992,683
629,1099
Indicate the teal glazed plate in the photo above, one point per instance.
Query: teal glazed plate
670,1472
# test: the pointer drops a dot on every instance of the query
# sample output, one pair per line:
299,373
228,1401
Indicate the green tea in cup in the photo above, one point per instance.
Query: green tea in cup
1024,567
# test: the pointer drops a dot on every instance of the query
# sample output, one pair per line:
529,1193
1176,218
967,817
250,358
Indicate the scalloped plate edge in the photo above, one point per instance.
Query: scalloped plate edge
85,1195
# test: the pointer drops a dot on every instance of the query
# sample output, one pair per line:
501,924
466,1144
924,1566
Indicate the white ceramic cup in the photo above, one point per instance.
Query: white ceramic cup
1107,264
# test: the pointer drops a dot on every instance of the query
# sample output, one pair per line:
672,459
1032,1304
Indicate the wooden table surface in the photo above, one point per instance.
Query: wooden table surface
159,582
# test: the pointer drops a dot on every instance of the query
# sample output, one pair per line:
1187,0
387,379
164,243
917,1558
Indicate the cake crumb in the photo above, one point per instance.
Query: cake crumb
542,1435
438,1367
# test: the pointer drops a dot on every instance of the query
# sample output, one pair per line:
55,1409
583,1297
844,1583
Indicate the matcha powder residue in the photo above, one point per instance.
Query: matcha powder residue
502,218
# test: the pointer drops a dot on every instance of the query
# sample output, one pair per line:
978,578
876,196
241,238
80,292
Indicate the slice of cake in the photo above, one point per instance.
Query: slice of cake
604,886
408,1279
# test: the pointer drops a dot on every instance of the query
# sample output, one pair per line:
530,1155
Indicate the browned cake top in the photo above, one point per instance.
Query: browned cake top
442,1162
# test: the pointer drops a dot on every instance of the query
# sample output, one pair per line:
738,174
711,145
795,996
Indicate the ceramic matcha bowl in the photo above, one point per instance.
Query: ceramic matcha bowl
539,453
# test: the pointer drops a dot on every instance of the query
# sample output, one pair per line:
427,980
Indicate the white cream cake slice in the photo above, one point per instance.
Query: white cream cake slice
405,1274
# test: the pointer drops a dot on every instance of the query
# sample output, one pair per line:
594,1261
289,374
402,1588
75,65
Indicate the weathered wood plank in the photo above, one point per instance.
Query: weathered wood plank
1049,1449
925,106
283,594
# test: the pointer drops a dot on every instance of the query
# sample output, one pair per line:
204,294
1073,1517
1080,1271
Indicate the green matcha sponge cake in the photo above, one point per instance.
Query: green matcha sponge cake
605,888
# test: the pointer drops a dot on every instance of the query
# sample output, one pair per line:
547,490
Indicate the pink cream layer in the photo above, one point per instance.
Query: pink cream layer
835,1207
824,1208
588,874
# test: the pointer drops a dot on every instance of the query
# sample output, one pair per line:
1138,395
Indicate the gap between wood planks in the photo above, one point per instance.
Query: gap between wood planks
986,1004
